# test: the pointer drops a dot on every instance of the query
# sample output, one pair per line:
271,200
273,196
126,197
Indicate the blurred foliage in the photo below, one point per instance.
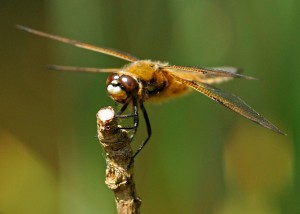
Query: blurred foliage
201,158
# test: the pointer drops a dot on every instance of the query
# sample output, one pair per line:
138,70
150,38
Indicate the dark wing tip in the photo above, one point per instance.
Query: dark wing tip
52,67
21,27
275,129
270,126
246,77
282,133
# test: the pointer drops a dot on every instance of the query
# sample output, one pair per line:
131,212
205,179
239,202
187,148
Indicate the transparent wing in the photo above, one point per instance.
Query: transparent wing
107,51
83,69
209,78
230,101
215,72
230,69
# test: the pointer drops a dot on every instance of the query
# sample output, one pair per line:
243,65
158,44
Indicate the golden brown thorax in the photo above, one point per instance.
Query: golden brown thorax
154,83
143,69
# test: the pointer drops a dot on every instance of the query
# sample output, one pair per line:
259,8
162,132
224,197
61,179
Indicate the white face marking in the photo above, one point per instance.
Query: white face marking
114,82
114,90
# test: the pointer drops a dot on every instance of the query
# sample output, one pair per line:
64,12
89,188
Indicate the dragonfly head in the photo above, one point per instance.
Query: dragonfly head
120,87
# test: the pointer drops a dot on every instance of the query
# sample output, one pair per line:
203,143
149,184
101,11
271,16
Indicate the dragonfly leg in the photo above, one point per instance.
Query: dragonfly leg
135,116
148,131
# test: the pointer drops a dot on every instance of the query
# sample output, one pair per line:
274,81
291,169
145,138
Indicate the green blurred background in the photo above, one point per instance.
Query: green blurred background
202,158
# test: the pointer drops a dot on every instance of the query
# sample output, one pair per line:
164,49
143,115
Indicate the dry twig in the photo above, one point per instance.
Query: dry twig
119,178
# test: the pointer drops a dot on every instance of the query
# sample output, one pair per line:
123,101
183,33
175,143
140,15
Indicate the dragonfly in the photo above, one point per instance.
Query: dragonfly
146,80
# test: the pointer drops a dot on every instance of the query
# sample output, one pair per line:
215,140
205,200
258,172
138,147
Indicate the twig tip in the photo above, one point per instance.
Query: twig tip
106,114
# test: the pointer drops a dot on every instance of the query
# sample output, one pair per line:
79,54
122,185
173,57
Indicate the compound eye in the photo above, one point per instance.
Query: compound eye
112,77
129,83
